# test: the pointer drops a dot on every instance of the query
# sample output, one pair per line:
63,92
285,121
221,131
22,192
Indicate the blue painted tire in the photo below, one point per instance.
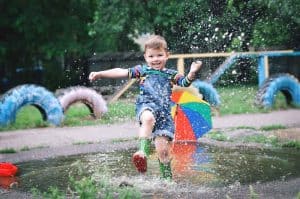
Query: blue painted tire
285,83
209,93
94,101
29,94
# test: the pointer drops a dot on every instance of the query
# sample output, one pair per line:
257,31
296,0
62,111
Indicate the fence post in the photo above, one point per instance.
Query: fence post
123,90
263,69
180,65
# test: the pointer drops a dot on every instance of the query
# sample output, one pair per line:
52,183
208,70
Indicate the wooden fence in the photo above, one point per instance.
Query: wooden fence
181,58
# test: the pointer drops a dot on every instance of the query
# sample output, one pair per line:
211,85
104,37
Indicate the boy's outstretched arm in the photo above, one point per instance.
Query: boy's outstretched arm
195,67
111,73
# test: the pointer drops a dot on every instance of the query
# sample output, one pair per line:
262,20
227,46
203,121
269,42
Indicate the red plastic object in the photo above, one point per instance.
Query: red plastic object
8,182
7,169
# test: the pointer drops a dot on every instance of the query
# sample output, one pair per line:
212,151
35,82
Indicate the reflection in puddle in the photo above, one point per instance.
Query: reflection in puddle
8,182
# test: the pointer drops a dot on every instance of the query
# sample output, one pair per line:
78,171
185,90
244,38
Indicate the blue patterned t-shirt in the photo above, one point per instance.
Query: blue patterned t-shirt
156,85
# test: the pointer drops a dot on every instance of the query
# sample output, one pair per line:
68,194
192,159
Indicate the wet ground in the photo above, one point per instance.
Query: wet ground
192,164
199,172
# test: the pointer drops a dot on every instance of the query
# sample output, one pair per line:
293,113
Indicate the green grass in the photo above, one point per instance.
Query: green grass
257,138
118,140
82,143
7,150
292,144
117,112
27,117
77,115
25,148
234,100
244,127
216,135
272,140
240,99
260,138
272,127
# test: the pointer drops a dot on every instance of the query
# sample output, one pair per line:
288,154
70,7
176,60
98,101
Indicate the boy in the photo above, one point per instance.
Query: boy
153,105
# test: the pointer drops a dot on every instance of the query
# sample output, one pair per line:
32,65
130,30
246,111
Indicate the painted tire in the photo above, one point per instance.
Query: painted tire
209,93
93,100
285,83
29,94
7,169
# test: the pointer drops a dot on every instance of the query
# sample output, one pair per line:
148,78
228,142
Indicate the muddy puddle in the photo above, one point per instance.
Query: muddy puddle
194,167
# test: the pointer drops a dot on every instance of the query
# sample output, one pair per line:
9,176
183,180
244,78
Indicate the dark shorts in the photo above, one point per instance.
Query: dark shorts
164,125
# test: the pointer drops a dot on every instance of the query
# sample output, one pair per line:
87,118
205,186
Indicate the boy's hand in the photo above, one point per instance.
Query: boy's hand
195,66
194,69
93,76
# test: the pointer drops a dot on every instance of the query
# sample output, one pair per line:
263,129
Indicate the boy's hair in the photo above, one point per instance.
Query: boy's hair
156,42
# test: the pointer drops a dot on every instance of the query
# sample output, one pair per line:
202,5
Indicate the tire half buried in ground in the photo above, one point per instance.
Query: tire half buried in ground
94,101
208,92
285,83
29,94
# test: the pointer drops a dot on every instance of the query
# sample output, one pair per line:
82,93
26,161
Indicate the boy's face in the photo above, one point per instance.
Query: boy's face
156,58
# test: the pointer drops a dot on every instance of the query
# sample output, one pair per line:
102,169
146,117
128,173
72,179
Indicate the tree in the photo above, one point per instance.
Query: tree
62,35
235,25
34,32
280,26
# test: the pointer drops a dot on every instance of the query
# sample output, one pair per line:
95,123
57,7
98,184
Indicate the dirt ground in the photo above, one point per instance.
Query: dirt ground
51,142
52,137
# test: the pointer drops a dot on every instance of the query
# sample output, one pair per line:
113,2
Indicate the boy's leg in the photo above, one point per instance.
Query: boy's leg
140,157
165,170
162,145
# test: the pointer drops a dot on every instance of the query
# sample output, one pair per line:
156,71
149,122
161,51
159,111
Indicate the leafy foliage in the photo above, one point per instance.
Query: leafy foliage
62,35
235,25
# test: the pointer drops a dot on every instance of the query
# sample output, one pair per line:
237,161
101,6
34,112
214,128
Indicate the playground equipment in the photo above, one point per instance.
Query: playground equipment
209,93
263,63
285,83
52,108
268,86
87,96
29,94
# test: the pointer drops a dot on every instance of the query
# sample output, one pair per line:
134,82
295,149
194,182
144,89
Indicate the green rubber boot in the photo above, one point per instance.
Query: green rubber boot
139,158
145,146
165,170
